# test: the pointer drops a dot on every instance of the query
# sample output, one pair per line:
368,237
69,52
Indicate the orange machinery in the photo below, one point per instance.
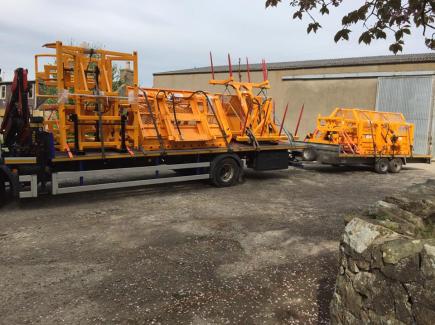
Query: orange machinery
365,133
85,110
81,105
354,136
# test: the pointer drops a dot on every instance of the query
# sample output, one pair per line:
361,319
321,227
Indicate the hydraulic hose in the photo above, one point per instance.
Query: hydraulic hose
224,135
159,136
173,108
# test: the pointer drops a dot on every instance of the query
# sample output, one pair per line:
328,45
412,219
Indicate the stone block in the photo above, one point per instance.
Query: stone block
395,250
428,261
387,263
359,234
405,270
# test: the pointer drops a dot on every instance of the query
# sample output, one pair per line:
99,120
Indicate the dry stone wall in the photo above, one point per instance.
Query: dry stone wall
387,262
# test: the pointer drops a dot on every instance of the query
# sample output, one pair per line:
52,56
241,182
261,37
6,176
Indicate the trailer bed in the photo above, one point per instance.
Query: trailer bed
333,155
27,178
97,155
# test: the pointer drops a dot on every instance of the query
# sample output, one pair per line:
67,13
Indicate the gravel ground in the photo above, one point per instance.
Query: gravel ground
263,252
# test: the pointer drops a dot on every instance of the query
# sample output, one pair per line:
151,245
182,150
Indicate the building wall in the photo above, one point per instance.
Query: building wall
319,96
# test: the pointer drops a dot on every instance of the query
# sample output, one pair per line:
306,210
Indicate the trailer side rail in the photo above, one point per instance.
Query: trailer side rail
57,178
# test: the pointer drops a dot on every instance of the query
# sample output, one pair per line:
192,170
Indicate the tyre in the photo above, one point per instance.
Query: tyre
225,173
309,154
381,166
395,165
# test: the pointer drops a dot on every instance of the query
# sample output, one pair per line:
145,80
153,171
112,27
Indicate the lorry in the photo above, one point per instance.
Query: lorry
88,125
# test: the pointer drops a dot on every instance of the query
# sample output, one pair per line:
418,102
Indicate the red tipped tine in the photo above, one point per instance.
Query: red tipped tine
299,120
212,66
248,69
265,72
264,69
283,120
230,65
240,70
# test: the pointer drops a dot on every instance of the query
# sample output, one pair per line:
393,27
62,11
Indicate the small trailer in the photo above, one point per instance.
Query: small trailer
361,137
332,154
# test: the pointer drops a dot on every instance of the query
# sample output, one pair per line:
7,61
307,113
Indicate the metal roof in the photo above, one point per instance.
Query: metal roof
312,64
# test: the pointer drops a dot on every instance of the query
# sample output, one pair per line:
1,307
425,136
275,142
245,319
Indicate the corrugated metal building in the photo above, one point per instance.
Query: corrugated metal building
403,83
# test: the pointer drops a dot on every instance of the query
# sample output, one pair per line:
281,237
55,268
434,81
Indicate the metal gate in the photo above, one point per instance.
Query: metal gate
412,96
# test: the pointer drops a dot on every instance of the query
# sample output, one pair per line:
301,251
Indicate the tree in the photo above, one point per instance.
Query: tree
117,82
378,17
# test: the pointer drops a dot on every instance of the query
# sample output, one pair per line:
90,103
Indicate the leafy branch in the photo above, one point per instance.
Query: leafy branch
379,18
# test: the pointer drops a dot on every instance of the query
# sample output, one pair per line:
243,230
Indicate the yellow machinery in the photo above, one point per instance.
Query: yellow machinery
83,109
178,119
250,117
365,133
80,99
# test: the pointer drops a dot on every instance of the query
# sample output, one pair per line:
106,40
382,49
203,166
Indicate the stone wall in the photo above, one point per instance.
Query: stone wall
387,262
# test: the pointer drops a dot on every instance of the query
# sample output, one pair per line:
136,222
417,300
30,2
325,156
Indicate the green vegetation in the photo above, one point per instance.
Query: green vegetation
378,17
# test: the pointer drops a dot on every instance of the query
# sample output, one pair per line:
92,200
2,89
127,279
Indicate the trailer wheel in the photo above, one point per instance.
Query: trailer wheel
381,166
225,173
309,154
395,165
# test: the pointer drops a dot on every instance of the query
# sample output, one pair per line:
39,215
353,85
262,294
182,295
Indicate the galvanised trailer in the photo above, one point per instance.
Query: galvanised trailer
333,154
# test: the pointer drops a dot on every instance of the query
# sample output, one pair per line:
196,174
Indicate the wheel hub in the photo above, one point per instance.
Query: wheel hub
227,173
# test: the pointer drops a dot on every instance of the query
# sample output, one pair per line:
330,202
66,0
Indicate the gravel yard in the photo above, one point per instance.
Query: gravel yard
263,252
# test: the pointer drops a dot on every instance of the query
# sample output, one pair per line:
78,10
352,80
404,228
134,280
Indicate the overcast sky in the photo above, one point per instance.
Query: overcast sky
175,34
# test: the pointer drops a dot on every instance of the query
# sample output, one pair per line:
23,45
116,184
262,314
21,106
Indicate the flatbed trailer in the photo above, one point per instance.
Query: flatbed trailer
332,154
89,127
23,177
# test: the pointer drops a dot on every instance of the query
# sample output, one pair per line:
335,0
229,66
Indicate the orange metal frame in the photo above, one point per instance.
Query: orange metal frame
81,104
70,88
250,116
178,119
365,132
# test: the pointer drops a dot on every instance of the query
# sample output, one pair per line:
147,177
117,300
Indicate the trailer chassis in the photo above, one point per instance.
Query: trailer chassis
331,154
86,173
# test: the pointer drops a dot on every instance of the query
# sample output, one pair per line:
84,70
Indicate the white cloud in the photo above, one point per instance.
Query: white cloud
172,34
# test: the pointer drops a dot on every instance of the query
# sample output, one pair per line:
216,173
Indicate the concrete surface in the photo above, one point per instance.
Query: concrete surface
263,252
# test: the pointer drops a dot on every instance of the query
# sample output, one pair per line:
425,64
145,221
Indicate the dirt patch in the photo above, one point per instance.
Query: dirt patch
264,252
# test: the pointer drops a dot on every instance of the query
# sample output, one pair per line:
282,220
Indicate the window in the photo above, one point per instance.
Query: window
3,92
31,88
